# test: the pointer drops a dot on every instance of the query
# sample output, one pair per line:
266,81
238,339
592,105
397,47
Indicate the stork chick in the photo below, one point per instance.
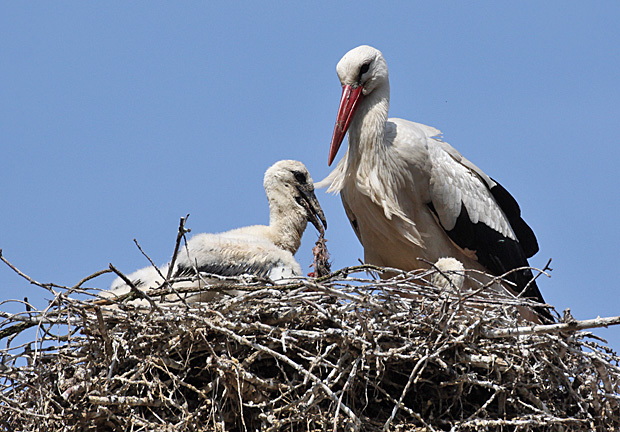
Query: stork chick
450,274
259,250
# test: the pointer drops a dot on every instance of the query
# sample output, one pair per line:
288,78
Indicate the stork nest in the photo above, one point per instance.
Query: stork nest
342,352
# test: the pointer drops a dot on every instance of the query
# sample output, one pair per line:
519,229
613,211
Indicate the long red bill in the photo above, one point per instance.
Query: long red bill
351,97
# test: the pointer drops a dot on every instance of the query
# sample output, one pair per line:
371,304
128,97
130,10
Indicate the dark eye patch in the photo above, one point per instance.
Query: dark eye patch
363,70
300,177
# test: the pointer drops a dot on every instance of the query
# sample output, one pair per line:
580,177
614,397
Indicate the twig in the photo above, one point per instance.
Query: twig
149,259
25,276
345,352
137,292
87,278
180,234
291,363
552,328
123,400
166,284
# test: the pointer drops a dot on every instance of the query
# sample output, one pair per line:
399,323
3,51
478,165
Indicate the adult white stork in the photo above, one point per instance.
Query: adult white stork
259,250
409,195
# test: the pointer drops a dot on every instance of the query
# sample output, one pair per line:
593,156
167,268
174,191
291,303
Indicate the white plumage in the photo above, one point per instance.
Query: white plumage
259,250
409,195
450,274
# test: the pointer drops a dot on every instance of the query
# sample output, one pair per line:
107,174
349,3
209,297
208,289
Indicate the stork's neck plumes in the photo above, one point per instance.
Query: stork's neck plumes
367,131
286,226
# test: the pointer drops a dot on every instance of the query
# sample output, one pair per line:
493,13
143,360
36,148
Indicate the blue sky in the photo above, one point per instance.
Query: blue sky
118,118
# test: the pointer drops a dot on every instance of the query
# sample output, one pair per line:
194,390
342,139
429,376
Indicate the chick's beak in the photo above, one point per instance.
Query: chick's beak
313,209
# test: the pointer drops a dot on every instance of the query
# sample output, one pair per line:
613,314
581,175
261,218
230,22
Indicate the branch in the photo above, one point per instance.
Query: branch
552,328
137,292
261,348
24,275
166,282
150,260
182,231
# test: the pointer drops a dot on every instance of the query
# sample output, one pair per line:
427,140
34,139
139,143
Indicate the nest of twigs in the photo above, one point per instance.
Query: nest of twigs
343,352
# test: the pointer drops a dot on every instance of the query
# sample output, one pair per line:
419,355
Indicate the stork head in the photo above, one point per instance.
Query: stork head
450,274
290,192
361,71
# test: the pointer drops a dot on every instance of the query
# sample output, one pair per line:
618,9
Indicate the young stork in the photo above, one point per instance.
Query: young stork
259,250
409,195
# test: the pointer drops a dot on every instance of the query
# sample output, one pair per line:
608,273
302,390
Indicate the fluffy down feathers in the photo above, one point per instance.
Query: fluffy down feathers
258,250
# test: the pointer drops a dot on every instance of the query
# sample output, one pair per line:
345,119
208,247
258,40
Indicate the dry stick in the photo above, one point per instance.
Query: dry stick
37,319
135,290
25,276
552,328
314,283
342,310
420,364
245,428
104,333
352,373
291,363
404,407
149,258
544,271
87,278
7,404
16,328
180,235
499,278
269,384
122,400
319,359
166,282
182,231
201,392
484,423
484,406
355,269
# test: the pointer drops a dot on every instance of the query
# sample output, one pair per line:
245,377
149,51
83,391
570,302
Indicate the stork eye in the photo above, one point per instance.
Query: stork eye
300,177
363,70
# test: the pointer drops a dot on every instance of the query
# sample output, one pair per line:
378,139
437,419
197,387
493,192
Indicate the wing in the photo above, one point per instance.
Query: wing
235,256
506,202
480,215
217,267
511,209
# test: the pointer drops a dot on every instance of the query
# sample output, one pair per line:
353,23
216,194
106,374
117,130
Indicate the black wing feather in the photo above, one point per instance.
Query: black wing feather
225,269
511,209
497,253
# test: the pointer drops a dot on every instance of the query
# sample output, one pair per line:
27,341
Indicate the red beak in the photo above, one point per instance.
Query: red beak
351,97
